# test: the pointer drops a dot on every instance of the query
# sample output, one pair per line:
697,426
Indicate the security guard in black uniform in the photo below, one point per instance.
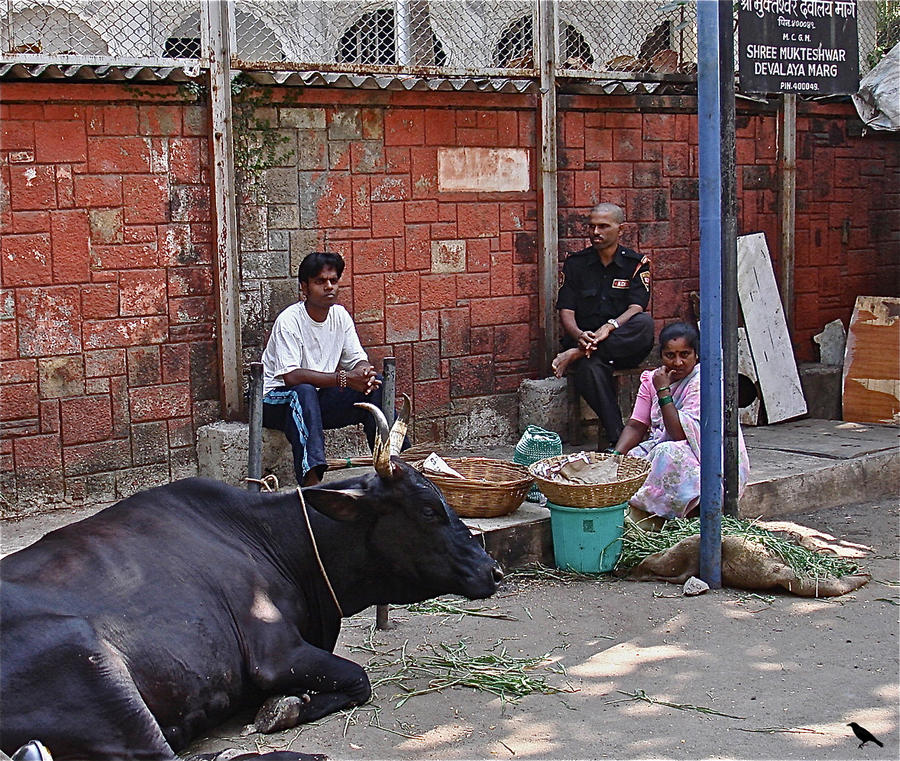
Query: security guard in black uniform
601,303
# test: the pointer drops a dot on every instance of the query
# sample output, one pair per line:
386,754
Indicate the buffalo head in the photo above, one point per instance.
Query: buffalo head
412,543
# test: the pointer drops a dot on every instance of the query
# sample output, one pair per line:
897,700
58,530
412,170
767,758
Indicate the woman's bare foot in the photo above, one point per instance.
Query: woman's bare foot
562,361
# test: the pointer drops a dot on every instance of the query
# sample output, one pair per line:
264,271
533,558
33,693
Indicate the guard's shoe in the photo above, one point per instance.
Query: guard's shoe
34,750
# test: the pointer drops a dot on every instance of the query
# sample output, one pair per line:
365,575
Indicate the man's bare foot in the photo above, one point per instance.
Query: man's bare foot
562,361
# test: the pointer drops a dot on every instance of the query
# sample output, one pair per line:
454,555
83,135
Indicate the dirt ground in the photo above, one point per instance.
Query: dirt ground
789,672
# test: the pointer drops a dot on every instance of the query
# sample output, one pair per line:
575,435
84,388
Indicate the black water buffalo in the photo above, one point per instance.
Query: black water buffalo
128,633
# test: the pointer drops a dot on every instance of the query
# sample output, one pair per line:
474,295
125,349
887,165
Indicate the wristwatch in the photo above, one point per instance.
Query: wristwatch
613,322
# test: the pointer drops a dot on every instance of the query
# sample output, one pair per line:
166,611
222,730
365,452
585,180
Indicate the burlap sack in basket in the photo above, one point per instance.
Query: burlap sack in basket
745,565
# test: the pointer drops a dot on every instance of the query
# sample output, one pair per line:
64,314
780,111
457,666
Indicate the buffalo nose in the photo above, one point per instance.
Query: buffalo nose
497,573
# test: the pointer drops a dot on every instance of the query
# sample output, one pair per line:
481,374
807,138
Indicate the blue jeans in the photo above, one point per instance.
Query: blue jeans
303,412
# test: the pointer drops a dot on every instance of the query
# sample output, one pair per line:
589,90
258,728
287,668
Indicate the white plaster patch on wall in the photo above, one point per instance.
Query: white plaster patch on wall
159,156
448,256
485,170
389,189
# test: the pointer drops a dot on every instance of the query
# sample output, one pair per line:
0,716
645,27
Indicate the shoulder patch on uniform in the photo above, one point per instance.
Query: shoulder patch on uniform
645,279
645,260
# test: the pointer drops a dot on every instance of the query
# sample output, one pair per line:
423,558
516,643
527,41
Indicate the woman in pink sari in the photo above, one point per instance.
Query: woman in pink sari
668,408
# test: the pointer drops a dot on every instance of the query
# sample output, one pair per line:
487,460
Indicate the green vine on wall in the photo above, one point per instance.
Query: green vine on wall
258,145
189,91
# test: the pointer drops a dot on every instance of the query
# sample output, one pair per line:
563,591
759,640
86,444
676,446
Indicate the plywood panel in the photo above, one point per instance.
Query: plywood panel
767,332
872,361
748,414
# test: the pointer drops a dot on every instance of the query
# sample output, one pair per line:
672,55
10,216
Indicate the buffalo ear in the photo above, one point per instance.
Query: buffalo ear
339,504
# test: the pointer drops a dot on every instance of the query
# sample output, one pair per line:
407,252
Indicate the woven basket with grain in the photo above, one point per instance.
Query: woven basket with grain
631,475
489,488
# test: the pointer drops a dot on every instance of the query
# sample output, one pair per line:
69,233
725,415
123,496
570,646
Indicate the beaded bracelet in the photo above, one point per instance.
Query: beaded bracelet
342,379
663,400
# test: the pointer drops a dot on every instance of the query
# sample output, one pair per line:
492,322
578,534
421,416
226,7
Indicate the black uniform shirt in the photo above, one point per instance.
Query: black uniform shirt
597,293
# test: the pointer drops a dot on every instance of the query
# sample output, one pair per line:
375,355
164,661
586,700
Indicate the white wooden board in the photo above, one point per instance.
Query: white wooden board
748,414
767,330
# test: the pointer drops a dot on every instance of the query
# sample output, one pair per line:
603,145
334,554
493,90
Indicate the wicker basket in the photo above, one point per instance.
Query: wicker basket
632,474
490,488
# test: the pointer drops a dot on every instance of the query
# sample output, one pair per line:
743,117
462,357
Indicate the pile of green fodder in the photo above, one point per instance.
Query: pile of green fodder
809,564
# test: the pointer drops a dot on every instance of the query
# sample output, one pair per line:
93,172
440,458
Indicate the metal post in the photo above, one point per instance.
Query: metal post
389,388
728,174
254,446
548,257
388,404
709,108
404,33
788,203
227,265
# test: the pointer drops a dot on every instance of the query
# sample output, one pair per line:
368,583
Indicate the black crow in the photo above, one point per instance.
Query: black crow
864,734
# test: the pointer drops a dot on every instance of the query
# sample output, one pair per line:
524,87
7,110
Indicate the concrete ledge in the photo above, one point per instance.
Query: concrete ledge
519,539
553,404
222,451
826,484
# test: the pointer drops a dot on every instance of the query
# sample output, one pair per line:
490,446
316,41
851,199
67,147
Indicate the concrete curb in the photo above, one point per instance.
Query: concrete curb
859,479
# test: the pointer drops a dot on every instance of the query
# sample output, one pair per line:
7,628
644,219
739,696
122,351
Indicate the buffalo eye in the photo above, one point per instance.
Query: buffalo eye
432,512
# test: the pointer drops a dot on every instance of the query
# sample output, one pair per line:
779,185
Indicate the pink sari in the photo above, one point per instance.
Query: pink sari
672,488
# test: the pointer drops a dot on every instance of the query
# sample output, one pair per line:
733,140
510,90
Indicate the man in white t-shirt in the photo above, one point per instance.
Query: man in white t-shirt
315,369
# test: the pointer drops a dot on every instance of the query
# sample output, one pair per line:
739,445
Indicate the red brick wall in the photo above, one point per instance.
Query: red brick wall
107,354
107,306
848,198
368,175
848,220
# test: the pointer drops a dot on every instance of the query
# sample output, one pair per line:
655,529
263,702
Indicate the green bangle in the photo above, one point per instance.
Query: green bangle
663,400
660,390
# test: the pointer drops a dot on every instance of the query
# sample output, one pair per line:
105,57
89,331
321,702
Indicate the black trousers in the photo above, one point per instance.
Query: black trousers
626,347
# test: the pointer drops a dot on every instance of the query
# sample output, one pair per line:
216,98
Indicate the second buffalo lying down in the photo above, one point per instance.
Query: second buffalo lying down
127,634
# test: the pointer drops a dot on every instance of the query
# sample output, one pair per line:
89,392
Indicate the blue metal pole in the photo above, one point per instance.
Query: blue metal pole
711,354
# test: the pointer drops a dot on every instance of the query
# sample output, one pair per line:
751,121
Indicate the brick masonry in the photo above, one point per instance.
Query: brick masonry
107,308
107,325
848,196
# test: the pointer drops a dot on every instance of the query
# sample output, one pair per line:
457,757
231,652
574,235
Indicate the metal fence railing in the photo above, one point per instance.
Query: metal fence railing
610,38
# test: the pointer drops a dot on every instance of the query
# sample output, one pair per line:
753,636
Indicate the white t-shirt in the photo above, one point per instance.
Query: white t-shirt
298,341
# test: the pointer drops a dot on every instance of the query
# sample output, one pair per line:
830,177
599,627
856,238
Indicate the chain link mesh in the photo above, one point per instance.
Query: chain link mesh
627,36
125,30
613,38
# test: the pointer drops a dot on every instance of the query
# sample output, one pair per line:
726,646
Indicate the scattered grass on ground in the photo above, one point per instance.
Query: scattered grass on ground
452,665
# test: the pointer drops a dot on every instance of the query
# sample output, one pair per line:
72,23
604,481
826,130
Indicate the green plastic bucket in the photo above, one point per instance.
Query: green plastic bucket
587,539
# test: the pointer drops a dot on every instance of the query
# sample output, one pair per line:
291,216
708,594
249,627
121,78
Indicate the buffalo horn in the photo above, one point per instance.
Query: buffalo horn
398,430
381,455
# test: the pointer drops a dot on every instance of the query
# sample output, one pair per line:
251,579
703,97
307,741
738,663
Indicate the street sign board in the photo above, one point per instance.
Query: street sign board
806,47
